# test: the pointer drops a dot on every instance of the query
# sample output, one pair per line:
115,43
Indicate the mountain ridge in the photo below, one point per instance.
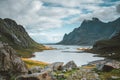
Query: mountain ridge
91,31
17,37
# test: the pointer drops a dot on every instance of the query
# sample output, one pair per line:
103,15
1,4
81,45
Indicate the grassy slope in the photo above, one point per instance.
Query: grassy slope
28,52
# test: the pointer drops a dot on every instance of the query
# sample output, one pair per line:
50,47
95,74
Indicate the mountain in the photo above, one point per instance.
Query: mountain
91,31
17,37
108,48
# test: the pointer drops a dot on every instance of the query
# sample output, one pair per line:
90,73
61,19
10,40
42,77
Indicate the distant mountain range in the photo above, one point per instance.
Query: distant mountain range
91,31
17,37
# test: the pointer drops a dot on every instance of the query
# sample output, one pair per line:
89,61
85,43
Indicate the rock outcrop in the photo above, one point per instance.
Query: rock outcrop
10,64
106,64
70,65
36,69
54,66
91,31
84,74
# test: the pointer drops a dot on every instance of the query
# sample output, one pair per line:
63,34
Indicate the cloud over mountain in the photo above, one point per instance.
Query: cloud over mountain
41,15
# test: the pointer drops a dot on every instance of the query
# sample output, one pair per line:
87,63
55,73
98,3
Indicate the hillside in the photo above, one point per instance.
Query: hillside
17,37
108,48
91,31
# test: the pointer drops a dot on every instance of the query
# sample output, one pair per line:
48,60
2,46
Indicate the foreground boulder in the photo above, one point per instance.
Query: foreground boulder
37,76
106,64
83,74
36,69
54,66
107,68
10,64
70,65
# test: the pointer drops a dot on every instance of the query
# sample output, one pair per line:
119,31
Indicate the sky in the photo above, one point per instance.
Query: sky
46,21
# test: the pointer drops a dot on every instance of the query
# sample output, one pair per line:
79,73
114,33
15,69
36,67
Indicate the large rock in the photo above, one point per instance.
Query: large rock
36,69
54,66
10,64
106,65
70,65
83,74
37,76
91,31
107,68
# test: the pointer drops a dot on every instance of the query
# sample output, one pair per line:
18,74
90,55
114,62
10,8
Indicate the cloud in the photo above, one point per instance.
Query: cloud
47,37
41,15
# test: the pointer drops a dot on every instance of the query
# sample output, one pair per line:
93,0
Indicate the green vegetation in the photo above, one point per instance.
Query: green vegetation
28,52
109,75
62,75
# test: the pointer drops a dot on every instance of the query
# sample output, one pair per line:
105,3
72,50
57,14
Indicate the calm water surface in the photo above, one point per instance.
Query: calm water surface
65,54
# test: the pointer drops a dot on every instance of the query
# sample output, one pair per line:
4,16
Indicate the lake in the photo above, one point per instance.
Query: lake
65,54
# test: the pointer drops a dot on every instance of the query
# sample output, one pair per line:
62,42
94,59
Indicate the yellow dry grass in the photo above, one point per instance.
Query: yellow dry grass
31,63
89,67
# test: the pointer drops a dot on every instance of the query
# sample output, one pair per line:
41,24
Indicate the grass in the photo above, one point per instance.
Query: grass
89,67
31,63
66,74
28,52
108,75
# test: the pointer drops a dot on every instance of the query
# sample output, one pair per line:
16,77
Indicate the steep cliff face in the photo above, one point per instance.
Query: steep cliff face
91,31
16,36
10,64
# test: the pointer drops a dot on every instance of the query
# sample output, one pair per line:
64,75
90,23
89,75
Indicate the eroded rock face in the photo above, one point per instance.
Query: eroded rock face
10,64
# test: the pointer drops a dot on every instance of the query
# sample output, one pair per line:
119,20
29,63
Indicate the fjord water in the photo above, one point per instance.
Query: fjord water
65,54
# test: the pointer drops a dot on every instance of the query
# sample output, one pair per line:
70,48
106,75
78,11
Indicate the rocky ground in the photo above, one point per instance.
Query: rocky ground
12,67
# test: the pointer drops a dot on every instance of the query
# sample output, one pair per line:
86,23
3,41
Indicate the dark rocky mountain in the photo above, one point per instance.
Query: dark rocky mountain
16,36
91,31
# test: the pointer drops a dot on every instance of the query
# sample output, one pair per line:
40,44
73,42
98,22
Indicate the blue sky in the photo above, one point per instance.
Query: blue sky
47,21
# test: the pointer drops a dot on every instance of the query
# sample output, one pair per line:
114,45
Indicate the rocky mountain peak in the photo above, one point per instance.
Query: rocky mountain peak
91,31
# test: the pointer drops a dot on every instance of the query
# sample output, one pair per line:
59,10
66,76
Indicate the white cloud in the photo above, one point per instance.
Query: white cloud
47,37
37,17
